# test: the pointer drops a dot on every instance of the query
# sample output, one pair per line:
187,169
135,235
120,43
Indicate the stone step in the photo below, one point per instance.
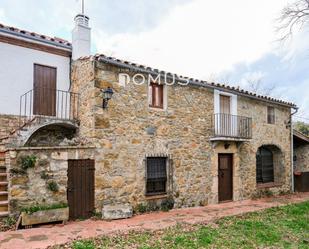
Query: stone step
115,212
2,169
4,214
3,176
4,206
4,203
3,195
3,186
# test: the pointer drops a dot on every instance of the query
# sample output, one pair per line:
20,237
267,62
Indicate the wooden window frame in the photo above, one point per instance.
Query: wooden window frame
151,180
153,96
271,115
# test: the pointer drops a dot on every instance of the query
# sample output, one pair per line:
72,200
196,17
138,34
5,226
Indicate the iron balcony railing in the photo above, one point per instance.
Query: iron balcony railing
47,102
232,126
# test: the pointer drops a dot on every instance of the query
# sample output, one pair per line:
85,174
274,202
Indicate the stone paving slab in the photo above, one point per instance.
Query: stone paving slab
44,237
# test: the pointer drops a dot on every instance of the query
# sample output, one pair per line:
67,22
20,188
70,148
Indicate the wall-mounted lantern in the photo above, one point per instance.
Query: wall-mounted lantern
226,146
107,95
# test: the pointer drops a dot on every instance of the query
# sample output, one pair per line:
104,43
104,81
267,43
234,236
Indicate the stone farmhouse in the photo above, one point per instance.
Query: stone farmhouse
81,131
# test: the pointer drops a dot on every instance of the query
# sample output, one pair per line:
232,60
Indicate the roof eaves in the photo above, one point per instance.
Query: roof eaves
54,41
300,135
192,81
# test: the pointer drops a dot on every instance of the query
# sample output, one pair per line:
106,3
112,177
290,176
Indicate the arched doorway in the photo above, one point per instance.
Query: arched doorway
264,165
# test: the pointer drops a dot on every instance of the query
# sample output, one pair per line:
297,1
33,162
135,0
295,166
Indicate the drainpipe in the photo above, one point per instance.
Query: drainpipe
292,150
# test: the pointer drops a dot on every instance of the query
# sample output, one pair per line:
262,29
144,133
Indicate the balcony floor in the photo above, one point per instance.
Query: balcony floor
236,139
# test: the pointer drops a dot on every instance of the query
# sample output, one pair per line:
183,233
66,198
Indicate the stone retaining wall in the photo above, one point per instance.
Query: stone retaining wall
30,187
7,124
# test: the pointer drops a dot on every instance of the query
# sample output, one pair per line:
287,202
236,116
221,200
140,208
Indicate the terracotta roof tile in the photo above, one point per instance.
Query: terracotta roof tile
40,37
236,90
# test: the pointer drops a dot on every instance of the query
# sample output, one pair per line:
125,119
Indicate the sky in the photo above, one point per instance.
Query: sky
231,42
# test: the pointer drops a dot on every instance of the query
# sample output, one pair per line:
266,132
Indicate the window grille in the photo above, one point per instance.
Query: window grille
156,176
264,166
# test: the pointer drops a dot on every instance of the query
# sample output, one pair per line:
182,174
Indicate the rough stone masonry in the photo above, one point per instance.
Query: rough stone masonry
129,130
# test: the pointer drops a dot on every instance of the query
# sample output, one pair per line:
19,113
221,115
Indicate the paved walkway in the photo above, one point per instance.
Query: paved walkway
46,236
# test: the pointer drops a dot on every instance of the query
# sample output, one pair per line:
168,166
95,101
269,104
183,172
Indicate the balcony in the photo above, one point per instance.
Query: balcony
227,127
48,104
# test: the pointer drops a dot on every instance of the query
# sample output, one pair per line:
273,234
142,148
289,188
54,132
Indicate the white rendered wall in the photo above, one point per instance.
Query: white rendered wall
217,94
81,39
16,73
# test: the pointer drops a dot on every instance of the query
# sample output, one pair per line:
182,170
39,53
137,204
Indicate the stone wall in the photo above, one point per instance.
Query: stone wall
30,187
51,135
301,163
83,76
128,131
277,136
7,124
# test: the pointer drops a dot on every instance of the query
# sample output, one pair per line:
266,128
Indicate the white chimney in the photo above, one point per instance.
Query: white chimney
81,37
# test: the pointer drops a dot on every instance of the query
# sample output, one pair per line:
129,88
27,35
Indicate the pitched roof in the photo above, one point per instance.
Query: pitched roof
192,81
300,136
55,41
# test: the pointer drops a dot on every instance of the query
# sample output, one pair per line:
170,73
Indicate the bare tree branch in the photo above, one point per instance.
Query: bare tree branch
257,86
293,16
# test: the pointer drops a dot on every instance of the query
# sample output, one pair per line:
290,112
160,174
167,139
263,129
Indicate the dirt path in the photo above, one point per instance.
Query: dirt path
47,236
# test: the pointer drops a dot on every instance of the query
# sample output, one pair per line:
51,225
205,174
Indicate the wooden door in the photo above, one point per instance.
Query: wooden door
225,174
44,90
81,188
225,104
225,118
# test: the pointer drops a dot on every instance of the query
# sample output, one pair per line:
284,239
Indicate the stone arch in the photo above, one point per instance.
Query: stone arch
49,134
269,164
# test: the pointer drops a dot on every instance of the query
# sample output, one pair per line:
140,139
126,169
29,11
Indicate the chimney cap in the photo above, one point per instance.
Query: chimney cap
81,19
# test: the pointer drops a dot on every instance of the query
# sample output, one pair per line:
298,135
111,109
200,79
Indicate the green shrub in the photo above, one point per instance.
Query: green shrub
53,186
28,162
167,204
141,208
96,215
9,221
33,209
44,175
16,171
84,244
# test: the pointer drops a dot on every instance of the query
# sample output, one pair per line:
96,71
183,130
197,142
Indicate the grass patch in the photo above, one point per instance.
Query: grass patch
85,244
33,209
281,227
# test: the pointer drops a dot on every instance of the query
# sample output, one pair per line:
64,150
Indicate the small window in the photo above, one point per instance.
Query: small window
264,166
156,95
156,175
270,115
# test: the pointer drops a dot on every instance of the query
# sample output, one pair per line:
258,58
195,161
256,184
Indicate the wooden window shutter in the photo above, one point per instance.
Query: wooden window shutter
270,115
156,95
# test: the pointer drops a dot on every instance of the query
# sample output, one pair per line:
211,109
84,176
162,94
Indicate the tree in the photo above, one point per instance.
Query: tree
295,15
256,85
302,127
